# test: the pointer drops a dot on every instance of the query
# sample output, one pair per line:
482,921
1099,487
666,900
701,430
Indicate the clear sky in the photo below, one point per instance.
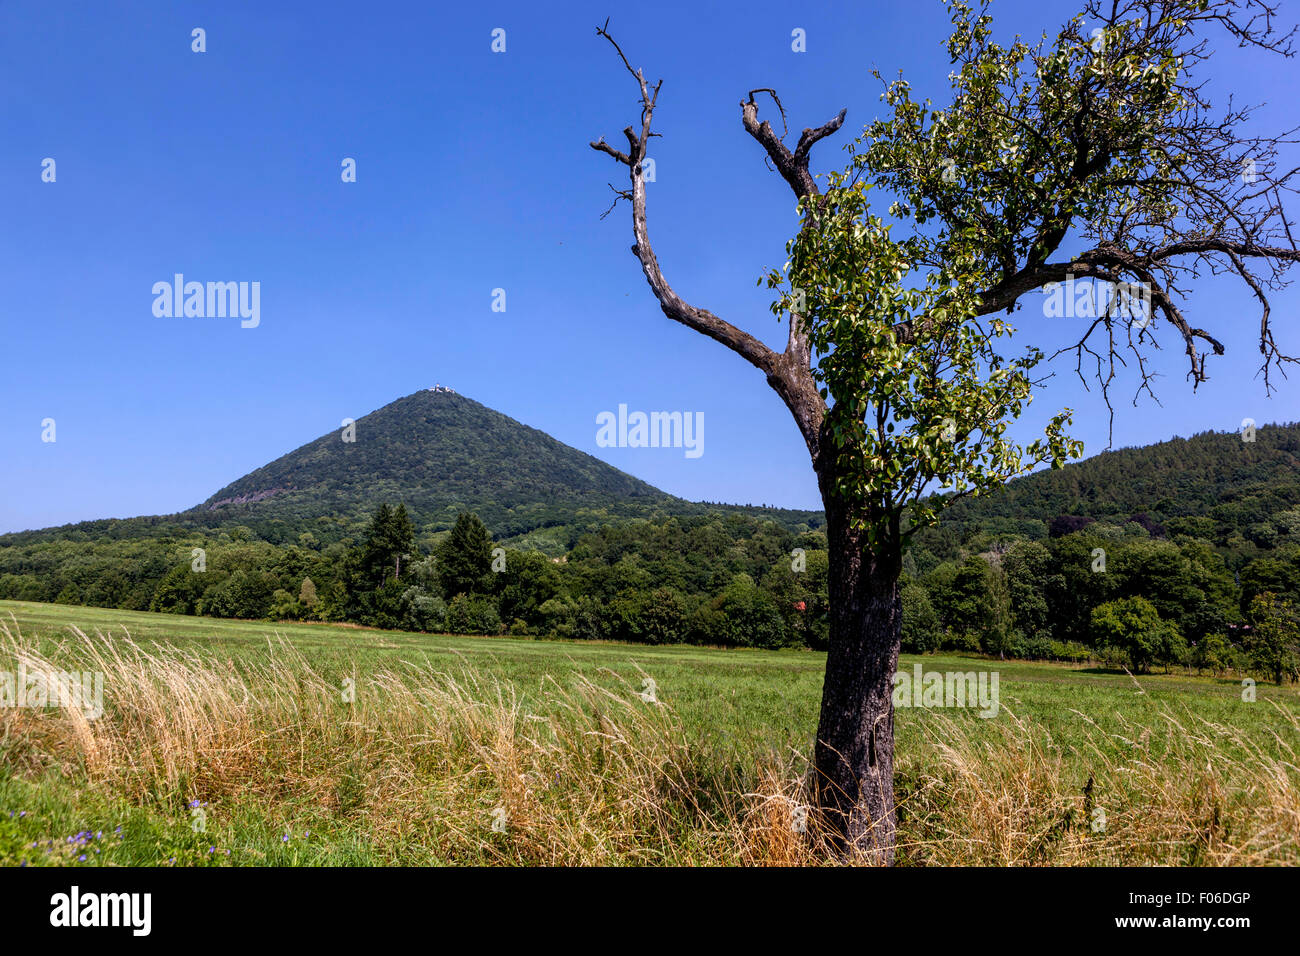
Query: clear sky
473,173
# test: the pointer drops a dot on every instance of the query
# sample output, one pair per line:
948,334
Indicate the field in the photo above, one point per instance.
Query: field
245,743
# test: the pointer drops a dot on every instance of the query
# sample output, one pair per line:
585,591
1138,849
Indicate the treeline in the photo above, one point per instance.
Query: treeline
1126,592
1119,593
730,579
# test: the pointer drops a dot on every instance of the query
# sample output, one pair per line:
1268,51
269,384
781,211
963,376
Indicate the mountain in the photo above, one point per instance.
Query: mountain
441,453
438,453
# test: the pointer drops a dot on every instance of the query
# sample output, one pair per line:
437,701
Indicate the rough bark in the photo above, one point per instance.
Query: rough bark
853,760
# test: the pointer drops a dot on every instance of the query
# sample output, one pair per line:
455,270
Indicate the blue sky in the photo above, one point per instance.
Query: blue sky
473,173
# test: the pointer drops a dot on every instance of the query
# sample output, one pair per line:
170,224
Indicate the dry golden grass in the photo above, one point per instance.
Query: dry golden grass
1188,792
425,761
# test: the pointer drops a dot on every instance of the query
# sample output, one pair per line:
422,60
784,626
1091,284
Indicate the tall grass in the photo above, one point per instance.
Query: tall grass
1187,791
429,765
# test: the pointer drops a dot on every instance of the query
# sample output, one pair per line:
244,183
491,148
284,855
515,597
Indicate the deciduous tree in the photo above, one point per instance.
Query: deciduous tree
1093,155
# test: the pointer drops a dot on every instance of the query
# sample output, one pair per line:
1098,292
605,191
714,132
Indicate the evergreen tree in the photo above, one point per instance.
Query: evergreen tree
390,540
465,557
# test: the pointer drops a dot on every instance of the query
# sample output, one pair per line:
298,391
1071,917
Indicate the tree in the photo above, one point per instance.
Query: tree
1082,581
800,596
1211,653
529,581
1215,604
473,614
1277,576
180,590
465,557
743,615
648,617
307,594
1133,625
422,611
1028,565
283,606
920,624
1068,524
893,369
245,594
390,541
1161,573
973,609
372,571
999,635
1273,645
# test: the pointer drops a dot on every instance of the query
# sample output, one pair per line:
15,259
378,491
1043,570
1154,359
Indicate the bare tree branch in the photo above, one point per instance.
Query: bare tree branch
676,308
793,166
788,372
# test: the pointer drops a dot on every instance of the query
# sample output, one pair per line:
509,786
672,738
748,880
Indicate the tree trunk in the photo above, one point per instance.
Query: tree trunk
854,755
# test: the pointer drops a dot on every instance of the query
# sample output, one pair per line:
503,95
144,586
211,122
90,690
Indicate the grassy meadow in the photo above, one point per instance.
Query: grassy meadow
245,743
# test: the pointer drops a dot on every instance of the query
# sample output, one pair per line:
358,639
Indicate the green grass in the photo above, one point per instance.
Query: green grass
740,703
760,697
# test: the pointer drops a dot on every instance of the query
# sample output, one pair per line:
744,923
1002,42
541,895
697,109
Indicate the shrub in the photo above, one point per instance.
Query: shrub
283,606
422,611
473,614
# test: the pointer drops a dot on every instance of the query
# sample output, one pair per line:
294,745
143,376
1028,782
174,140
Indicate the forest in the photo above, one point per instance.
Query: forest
1217,593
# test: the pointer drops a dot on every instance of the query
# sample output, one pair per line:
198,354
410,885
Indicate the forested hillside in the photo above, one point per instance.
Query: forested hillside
440,453
1229,488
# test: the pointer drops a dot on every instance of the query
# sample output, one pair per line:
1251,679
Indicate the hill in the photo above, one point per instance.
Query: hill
1213,485
437,452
